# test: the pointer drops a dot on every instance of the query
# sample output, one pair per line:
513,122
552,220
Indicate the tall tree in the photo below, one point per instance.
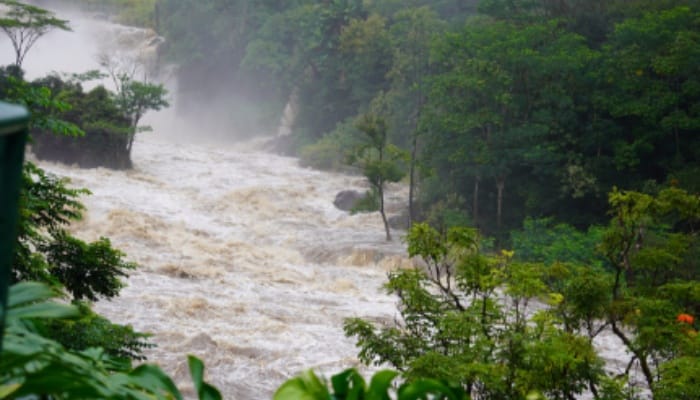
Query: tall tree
412,33
503,105
378,159
133,97
24,24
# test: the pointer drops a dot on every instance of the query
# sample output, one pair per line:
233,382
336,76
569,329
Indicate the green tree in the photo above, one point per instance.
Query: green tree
652,249
503,106
45,251
471,319
652,62
365,52
24,24
133,97
412,33
378,159
106,128
495,324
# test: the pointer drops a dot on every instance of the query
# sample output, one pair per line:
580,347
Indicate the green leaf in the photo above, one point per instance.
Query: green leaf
204,390
380,384
43,310
422,389
28,292
152,377
8,389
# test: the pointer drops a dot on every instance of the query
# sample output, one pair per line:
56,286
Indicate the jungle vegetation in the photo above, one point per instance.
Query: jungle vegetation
565,130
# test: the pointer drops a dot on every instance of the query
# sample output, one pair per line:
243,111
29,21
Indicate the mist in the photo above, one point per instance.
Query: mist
214,113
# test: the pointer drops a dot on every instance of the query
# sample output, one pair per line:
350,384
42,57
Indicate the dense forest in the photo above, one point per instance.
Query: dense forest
505,109
550,151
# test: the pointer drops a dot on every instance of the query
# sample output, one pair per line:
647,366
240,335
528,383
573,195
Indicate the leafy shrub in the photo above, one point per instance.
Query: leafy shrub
332,151
33,366
541,240
349,385
368,203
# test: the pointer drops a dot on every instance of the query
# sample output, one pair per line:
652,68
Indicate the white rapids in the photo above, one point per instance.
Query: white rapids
245,262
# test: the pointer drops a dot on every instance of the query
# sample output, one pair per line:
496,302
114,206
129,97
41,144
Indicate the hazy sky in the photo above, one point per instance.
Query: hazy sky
58,50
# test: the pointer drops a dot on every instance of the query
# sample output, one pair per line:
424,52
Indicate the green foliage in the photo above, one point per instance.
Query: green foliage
333,150
379,160
541,240
89,329
648,244
453,327
106,128
46,251
43,106
367,203
204,390
470,318
134,98
72,260
350,385
32,365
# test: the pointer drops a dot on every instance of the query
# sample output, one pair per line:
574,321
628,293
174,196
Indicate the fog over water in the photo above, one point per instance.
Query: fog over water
245,262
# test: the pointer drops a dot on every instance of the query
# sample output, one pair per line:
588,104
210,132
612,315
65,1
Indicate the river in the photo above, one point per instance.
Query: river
244,260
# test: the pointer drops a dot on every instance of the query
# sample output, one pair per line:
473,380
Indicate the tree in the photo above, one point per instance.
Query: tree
24,24
97,114
471,319
412,33
133,97
504,105
378,159
46,252
651,247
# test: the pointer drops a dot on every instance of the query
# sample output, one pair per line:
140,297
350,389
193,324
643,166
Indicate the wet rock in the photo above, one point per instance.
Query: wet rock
347,199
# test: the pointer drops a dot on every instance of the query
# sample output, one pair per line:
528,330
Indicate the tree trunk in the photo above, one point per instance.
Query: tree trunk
500,185
381,210
475,204
411,181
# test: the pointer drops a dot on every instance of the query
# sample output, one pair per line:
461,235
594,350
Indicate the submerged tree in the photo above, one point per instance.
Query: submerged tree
24,24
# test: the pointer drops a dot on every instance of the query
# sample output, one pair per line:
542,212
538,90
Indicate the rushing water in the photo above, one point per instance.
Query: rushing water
245,262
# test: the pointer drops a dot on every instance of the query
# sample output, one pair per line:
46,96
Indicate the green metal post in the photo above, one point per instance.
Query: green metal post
13,136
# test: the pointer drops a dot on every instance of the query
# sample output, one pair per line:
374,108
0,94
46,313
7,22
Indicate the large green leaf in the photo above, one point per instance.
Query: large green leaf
204,390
